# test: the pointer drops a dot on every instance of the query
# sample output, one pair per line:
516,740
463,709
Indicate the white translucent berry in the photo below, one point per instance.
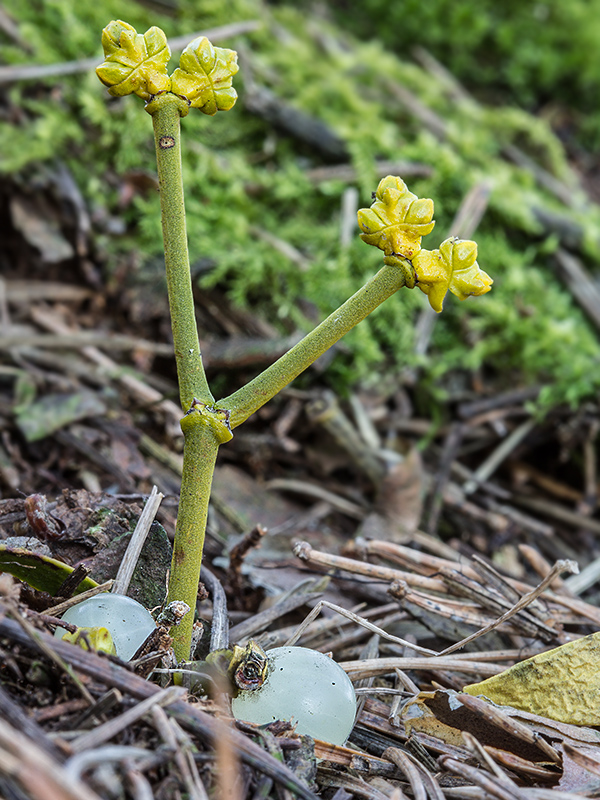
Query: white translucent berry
128,621
306,686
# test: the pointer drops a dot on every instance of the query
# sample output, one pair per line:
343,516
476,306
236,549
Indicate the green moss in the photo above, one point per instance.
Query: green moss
240,174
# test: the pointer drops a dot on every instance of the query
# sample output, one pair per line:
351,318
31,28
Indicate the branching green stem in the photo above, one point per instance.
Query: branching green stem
265,386
166,110
395,223
204,426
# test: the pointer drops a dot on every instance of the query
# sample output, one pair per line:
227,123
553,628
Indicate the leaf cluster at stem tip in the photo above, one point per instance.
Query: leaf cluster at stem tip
396,222
136,63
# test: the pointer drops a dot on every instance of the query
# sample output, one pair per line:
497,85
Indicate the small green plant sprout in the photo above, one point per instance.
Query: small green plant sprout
137,64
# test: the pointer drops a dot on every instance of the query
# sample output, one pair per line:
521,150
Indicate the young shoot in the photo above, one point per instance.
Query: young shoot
397,220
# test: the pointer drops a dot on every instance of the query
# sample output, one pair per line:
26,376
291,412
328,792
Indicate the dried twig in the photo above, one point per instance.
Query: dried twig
60,608
219,635
189,716
40,776
359,621
138,537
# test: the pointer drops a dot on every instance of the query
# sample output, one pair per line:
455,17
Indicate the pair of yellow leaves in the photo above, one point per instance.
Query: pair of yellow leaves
136,63
396,222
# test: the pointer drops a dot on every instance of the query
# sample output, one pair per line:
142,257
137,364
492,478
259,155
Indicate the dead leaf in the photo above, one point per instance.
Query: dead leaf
443,714
562,684
55,411
581,769
40,230
399,504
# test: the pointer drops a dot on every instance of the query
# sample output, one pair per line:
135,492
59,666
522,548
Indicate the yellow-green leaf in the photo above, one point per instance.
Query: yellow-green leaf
454,266
204,76
134,63
562,684
396,220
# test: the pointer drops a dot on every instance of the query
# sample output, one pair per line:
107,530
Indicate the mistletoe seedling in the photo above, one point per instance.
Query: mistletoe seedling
396,222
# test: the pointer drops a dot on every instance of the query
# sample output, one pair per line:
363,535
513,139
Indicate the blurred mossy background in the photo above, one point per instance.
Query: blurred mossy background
529,75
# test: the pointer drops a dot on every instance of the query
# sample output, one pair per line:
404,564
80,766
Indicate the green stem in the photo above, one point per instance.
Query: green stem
166,110
265,386
202,431
199,457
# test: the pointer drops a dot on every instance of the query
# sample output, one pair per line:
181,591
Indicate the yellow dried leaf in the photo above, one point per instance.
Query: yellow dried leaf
417,717
562,684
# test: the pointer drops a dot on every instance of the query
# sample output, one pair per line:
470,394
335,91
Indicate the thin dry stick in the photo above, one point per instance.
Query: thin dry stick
138,537
496,598
188,749
139,390
580,283
310,490
50,652
422,563
291,600
109,729
138,783
12,710
501,720
347,637
557,511
60,608
561,566
364,687
326,411
227,758
406,766
80,339
406,682
486,760
317,630
429,781
493,461
219,635
80,763
191,779
383,666
460,610
359,621
39,775
537,562
480,779
305,552
407,557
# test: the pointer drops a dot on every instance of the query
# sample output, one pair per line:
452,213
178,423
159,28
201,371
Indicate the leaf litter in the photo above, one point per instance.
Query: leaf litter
434,537
412,594
406,594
